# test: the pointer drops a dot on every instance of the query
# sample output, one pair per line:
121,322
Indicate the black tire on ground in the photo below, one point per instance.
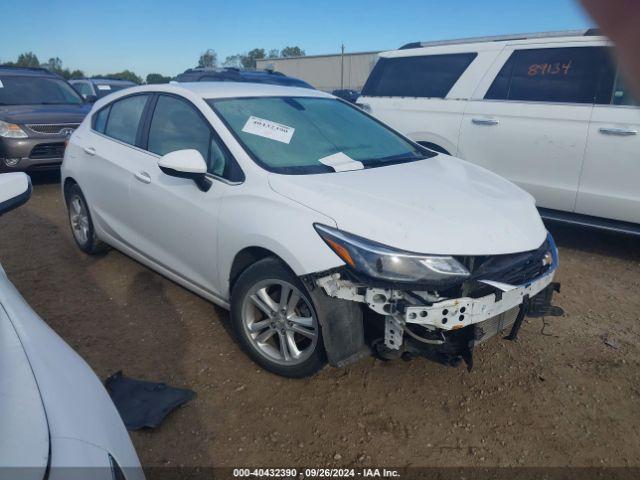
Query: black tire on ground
92,245
272,269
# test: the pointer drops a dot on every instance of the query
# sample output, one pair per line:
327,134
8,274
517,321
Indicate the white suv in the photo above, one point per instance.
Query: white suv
547,111
305,217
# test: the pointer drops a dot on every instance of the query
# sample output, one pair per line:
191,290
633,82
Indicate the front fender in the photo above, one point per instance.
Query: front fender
249,221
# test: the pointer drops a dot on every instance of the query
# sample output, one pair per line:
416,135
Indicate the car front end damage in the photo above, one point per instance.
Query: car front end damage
442,318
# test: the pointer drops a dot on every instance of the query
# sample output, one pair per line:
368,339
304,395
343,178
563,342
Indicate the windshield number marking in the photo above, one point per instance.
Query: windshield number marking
268,129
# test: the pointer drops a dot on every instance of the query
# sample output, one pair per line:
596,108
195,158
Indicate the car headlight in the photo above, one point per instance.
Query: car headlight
11,130
385,263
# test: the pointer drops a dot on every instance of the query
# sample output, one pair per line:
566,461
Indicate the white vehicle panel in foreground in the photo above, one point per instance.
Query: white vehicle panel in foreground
12,185
24,437
76,404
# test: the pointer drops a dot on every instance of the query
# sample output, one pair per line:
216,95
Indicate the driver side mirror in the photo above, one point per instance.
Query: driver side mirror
186,164
15,189
90,98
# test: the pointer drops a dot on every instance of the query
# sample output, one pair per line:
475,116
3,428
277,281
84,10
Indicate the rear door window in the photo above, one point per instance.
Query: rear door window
569,75
421,76
124,118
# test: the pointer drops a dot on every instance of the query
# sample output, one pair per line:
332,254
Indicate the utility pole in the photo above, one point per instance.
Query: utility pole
342,68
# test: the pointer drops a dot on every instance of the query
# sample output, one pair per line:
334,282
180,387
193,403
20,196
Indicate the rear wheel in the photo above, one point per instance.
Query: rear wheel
81,224
275,321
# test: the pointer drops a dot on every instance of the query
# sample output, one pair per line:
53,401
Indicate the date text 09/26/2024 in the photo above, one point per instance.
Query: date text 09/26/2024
316,473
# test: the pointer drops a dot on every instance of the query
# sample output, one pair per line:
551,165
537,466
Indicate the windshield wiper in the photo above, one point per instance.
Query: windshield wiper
392,159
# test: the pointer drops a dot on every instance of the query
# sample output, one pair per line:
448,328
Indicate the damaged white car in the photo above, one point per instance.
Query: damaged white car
325,232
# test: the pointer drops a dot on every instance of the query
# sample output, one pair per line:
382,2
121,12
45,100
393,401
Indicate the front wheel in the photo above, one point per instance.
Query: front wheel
275,321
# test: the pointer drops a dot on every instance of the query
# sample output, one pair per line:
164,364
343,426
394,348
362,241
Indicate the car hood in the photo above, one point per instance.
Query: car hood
441,205
22,114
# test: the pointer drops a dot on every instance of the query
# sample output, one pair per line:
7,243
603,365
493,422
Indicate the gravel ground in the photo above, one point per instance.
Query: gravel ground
559,396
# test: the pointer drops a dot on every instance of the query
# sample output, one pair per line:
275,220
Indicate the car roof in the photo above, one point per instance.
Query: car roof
6,70
235,74
212,90
495,42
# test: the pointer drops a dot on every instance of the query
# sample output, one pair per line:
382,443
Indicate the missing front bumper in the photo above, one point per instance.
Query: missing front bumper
419,323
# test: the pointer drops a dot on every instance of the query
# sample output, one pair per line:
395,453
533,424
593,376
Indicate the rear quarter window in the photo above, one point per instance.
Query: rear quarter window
420,76
100,119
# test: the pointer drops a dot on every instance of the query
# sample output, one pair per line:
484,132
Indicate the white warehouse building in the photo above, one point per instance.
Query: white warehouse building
324,72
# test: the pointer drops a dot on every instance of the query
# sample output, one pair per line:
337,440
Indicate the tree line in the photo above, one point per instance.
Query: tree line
208,59
248,60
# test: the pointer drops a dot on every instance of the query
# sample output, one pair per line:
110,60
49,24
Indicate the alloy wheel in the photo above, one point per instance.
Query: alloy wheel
79,219
279,322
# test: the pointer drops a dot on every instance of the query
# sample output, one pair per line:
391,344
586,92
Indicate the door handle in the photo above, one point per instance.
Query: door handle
143,177
90,151
622,132
485,121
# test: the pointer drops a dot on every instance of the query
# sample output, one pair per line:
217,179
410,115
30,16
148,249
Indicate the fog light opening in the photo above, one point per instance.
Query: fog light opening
11,162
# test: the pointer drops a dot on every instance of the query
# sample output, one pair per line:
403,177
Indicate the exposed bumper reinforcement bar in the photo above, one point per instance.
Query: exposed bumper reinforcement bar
460,312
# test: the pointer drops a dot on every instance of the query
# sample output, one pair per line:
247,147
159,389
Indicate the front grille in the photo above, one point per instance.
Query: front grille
514,269
53,128
44,166
48,150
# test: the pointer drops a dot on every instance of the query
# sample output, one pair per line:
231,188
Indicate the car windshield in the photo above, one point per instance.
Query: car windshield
103,89
19,90
302,135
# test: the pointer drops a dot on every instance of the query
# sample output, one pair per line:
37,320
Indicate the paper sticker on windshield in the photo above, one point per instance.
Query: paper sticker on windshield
268,129
341,162
1,85
104,87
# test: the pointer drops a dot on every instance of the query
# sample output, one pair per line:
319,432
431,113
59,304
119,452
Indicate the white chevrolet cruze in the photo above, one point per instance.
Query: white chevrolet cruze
324,231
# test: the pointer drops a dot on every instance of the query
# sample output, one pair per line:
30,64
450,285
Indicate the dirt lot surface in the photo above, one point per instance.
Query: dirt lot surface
558,397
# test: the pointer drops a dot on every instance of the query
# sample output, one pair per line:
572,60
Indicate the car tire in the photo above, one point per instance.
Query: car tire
283,337
81,224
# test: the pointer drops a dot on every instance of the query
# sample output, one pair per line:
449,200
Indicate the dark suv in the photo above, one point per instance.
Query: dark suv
237,75
38,112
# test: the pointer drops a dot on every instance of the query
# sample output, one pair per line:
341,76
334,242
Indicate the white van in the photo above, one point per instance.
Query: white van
548,111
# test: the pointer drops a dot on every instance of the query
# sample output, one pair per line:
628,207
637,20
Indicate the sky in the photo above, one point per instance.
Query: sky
168,36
